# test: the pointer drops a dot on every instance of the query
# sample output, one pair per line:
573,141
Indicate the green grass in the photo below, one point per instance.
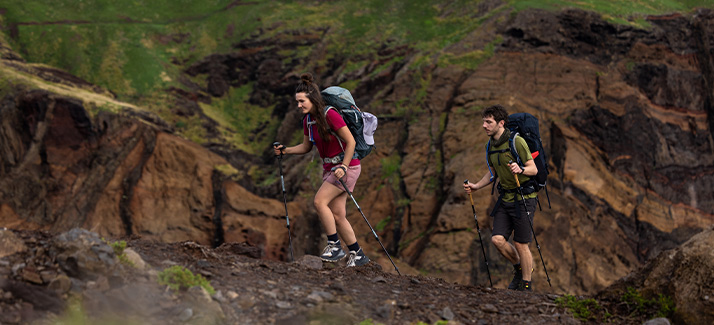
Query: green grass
125,46
76,314
629,12
383,223
660,306
250,124
180,278
583,309
130,47
137,49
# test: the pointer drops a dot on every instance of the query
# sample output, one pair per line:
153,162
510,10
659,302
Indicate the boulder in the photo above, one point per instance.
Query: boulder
682,274
82,254
10,243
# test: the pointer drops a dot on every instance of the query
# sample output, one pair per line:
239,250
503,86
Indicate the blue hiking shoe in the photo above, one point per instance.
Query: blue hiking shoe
333,252
357,258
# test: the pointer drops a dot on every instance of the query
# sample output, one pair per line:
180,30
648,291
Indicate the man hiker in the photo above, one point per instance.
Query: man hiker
509,216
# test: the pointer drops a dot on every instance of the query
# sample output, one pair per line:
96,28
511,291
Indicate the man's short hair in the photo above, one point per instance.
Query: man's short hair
497,112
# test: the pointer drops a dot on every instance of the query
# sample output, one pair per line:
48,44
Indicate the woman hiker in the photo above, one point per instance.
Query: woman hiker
320,128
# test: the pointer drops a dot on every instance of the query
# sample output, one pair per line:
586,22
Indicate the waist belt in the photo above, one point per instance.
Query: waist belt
338,159
333,160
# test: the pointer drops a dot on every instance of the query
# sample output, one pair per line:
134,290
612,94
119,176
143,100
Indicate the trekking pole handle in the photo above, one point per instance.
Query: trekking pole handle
470,196
340,167
279,146
518,182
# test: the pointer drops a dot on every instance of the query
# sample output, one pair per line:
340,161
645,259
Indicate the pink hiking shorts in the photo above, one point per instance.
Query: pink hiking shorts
350,177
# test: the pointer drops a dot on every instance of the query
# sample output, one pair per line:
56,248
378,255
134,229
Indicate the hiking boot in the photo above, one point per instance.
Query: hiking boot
517,278
525,286
333,252
357,258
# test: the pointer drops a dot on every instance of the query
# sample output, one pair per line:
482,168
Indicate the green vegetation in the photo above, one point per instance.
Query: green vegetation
627,12
139,49
228,171
119,247
440,322
76,314
583,309
470,60
246,122
390,170
661,306
383,223
638,306
178,277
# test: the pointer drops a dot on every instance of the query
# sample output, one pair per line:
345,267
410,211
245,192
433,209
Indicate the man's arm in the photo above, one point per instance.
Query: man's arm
530,168
483,182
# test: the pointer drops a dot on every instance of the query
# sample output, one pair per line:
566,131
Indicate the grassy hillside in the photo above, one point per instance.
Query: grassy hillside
137,49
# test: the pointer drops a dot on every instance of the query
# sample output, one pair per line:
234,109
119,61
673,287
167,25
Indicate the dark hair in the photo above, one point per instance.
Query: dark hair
497,112
312,92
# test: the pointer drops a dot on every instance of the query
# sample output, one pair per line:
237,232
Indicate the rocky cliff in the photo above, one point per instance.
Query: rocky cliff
626,118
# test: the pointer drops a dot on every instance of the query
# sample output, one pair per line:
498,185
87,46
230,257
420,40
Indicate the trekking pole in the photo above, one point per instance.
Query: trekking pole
528,215
367,221
285,198
483,250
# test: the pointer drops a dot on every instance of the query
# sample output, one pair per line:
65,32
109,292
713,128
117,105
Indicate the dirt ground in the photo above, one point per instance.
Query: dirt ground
255,291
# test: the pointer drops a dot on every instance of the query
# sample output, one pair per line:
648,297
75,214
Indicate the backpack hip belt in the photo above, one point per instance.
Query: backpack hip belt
527,187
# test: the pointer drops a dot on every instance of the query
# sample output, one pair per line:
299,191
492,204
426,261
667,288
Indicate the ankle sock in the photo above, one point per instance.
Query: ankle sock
333,237
354,247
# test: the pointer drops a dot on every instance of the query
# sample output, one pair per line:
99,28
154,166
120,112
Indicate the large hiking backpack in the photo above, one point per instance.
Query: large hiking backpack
526,126
362,125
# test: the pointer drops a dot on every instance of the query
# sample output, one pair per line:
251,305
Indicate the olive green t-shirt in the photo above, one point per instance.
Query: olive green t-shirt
499,163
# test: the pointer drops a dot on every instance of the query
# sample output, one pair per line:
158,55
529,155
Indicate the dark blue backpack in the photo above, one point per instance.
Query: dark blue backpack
526,126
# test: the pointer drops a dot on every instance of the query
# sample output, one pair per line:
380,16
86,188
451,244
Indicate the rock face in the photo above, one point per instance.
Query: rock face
121,175
626,117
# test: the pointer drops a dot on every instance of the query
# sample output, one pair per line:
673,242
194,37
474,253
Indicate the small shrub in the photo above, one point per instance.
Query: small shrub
661,306
583,309
383,223
178,277
119,247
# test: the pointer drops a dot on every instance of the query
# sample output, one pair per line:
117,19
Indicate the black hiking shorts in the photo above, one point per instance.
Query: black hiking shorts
511,218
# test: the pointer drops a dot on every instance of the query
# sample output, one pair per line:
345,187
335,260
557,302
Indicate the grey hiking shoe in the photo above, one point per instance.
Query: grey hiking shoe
357,258
517,278
333,252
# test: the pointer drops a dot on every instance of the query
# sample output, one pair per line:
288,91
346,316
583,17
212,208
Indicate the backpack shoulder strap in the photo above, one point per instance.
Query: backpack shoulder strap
339,140
514,152
488,162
